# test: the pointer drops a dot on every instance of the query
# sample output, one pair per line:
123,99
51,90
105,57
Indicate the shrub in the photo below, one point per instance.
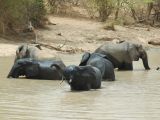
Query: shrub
16,14
103,7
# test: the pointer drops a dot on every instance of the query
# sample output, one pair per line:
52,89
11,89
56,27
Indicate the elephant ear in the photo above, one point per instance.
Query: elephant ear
20,48
85,58
27,54
133,51
21,52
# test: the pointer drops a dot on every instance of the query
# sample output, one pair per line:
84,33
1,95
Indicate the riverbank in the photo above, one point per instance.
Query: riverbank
79,35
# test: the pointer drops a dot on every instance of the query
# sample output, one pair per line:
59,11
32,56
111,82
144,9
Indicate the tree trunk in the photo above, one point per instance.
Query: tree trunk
149,9
117,10
134,14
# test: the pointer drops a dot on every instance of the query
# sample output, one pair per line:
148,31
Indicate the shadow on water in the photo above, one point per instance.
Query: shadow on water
135,95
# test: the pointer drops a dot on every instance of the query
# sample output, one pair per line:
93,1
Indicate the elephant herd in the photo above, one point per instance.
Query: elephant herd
93,68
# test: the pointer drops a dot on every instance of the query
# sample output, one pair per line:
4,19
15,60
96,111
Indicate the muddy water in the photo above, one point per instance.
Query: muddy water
134,96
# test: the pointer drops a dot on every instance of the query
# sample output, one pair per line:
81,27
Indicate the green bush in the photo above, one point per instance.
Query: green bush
36,12
16,14
103,7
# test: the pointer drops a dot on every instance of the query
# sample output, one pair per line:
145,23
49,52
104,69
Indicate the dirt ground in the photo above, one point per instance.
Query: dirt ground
81,35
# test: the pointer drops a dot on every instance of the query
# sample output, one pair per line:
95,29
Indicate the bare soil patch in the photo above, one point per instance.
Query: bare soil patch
79,35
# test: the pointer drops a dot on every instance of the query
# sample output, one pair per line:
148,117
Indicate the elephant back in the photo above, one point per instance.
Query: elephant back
45,55
116,52
34,52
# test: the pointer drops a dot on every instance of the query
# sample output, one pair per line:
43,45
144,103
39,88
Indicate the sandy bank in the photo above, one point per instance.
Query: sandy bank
82,35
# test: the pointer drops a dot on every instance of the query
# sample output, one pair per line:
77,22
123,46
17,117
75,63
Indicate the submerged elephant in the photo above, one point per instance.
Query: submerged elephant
34,69
100,61
121,55
82,77
35,52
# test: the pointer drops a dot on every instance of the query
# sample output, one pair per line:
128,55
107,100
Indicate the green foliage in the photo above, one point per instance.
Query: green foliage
148,1
36,12
103,7
17,13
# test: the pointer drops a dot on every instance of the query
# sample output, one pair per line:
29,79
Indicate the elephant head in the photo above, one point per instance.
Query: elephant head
137,51
133,51
21,67
23,51
83,77
69,73
74,77
88,55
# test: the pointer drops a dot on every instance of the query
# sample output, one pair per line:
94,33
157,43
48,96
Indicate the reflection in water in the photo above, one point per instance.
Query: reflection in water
135,95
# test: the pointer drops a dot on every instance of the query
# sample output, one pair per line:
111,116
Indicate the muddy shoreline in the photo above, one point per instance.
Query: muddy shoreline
77,36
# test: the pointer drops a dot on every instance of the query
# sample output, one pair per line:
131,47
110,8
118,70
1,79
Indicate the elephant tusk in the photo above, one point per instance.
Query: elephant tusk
70,80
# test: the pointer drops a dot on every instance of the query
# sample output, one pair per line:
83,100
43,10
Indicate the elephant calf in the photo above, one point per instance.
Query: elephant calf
100,61
82,77
34,69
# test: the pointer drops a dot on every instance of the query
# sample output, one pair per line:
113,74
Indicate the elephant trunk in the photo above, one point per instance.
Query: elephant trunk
60,70
10,73
16,58
13,72
144,58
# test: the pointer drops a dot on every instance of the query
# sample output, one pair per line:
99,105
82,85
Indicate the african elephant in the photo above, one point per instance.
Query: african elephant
34,69
35,52
82,77
121,55
100,61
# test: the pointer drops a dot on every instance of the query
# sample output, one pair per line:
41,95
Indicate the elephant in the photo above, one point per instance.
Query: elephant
123,54
101,62
34,69
33,51
81,78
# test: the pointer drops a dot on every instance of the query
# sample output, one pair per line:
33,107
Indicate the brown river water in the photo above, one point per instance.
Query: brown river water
135,95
